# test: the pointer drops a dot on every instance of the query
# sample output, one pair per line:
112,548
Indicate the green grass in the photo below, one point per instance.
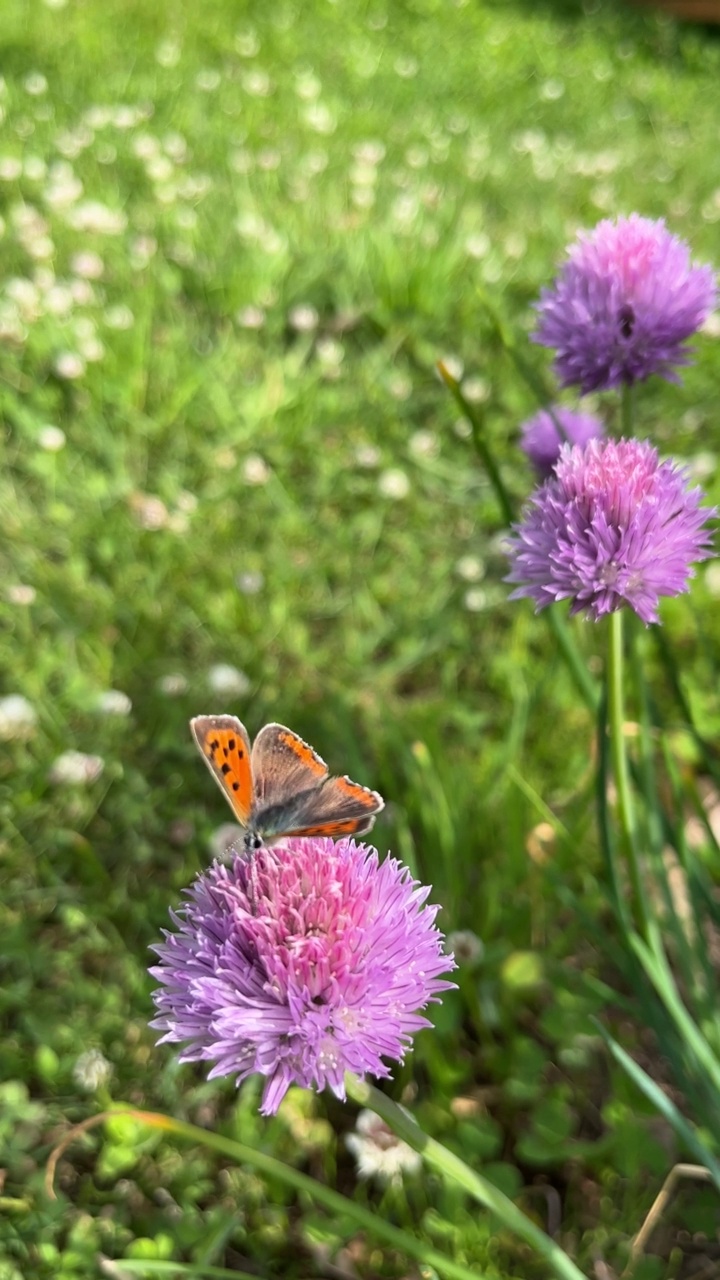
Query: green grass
388,166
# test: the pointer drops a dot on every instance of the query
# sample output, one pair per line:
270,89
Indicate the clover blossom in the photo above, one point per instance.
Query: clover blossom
307,960
623,304
613,526
541,440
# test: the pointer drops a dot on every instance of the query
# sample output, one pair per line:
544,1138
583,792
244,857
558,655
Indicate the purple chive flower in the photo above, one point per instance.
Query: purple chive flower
623,304
302,962
541,440
613,526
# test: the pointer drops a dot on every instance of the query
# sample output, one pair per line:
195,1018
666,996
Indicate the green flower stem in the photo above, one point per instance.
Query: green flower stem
452,1167
317,1191
627,407
621,772
480,442
584,682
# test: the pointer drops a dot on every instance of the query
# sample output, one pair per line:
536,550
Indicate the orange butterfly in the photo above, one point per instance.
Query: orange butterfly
280,786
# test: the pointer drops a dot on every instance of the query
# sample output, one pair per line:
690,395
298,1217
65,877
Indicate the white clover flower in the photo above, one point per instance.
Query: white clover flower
255,470
470,568
83,294
466,947
10,168
63,186
371,152
168,53
125,116
72,142
173,685
477,245
454,366
394,484
69,365
159,168
228,681
21,593
367,456
119,317
250,318
224,838
250,583
303,318
25,295
247,43
51,438
35,84
308,86
92,349
142,250
330,353
406,66
175,146
400,386
475,600
18,717
320,118
257,83
113,702
58,300
423,444
476,390
87,264
93,216
149,511
378,1152
92,1070
75,769
207,80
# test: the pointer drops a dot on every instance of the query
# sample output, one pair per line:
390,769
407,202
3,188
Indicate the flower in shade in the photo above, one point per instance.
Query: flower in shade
303,962
378,1152
623,304
613,526
542,436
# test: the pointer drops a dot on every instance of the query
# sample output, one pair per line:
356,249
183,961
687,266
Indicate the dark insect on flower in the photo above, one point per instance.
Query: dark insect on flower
623,305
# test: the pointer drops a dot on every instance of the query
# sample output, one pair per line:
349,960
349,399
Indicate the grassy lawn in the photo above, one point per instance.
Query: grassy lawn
235,241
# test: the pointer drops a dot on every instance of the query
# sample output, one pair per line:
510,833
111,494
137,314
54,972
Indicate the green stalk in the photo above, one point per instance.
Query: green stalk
578,670
452,1167
621,772
585,684
496,480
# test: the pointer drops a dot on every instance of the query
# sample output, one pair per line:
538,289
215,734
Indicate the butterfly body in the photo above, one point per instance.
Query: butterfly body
279,786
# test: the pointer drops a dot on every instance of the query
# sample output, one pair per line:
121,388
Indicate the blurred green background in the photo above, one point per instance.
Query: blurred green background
235,240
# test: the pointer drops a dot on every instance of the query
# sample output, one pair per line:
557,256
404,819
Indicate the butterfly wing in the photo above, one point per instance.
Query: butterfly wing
283,767
224,745
339,807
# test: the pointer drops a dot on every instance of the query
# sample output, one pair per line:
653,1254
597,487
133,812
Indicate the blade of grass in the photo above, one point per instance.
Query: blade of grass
685,1131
